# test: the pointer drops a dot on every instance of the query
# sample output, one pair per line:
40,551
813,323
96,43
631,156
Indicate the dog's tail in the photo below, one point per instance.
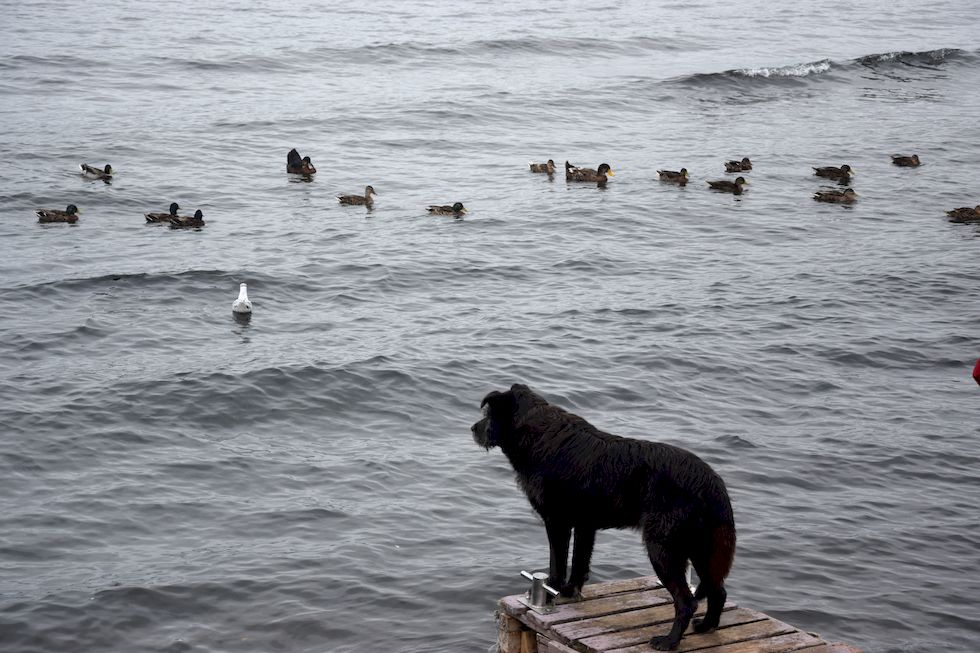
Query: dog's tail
720,558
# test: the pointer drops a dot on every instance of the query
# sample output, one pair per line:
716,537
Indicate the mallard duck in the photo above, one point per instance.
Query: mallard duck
964,214
182,221
297,165
845,196
548,168
163,217
573,173
673,176
906,161
70,214
94,173
364,200
456,209
734,187
738,166
830,172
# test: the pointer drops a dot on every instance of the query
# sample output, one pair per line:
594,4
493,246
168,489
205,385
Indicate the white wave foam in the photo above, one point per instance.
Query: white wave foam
795,70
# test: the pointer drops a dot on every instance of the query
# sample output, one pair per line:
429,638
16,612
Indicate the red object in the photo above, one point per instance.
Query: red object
976,371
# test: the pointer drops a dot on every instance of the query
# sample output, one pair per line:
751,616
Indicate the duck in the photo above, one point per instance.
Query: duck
738,166
548,168
674,176
297,165
242,305
964,214
69,215
830,172
846,196
104,174
456,209
734,187
163,217
906,161
574,173
366,200
183,221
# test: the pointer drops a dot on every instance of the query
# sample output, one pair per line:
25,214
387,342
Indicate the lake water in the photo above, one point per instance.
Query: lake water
172,479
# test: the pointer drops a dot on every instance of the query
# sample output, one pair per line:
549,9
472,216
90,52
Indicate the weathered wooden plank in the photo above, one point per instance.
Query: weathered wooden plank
546,645
594,608
827,647
509,634
736,625
576,630
794,641
640,583
529,641
513,606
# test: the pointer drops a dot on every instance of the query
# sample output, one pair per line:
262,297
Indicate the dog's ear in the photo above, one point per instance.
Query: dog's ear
490,397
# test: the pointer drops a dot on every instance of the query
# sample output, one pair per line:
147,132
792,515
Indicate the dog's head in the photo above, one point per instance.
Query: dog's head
501,412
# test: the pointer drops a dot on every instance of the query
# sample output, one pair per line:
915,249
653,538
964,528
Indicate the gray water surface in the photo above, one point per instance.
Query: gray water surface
172,479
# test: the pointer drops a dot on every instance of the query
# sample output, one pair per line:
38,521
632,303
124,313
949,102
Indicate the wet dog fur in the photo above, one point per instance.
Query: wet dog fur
580,479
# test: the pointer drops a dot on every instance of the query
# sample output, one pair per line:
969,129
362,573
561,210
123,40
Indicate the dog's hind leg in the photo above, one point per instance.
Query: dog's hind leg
712,563
559,535
581,558
671,567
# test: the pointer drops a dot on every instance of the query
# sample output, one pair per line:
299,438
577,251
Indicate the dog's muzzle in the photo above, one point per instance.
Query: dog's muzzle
481,433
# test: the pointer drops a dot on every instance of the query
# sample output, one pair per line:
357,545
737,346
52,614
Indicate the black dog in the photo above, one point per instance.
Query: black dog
580,478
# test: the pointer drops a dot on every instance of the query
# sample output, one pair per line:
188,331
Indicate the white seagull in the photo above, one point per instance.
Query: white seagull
242,304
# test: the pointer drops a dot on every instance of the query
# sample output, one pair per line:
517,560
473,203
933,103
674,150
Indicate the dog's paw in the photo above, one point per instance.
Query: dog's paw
702,626
570,591
664,643
561,599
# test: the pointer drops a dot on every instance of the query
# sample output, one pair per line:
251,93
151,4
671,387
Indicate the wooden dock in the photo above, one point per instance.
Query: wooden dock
621,617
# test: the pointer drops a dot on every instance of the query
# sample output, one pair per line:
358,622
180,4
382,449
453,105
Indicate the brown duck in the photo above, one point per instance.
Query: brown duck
598,176
964,214
845,196
733,187
738,166
674,176
299,166
183,221
69,215
906,161
367,199
163,217
547,168
842,173
456,209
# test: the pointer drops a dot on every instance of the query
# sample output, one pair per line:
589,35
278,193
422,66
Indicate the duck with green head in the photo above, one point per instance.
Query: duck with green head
456,209
726,186
92,172
679,177
69,215
162,217
599,175
184,221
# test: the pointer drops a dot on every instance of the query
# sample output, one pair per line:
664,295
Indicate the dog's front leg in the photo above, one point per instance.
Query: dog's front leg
559,535
581,558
